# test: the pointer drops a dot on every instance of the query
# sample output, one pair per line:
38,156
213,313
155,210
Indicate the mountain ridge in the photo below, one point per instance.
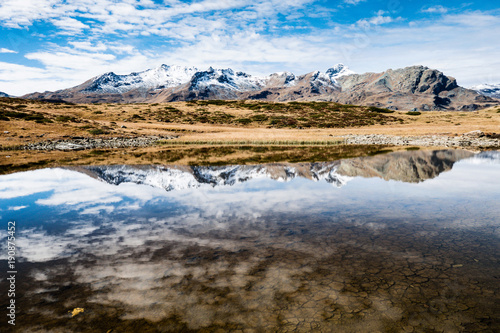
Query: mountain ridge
410,88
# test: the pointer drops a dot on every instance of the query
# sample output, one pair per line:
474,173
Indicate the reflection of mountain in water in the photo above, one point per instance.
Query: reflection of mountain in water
411,166
182,177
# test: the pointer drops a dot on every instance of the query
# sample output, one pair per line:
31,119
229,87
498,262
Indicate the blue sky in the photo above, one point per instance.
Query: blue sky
55,44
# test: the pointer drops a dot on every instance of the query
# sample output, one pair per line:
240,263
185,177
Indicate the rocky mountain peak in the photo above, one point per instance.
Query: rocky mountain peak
338,70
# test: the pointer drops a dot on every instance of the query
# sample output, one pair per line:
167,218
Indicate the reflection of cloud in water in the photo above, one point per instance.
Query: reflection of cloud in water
37,245
486,157
262,252
223,207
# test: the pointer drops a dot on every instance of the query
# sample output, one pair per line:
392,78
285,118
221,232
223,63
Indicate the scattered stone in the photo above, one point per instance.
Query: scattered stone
475,134
6,132
68,146
80,143
423,141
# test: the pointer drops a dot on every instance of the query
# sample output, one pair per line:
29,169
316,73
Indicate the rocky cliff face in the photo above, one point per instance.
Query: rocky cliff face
410,88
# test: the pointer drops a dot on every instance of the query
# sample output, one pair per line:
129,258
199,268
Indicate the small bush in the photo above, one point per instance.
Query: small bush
64,118
414,113
259,117
379,110
244,121
96,131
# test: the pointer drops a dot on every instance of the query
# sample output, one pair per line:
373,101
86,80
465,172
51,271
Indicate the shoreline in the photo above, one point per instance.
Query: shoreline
475,139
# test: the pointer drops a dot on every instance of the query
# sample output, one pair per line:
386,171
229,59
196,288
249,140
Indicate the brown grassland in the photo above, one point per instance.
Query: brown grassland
215,131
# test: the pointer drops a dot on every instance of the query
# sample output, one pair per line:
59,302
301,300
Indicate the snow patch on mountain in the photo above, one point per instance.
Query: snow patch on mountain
173,76
157,78
338,71
285,79
328,79
491,90
226,79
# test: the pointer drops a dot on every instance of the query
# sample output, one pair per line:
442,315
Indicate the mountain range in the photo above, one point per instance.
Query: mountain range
410,88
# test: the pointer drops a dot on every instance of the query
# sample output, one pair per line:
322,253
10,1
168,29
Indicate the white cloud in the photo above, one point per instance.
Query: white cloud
4,50
88,46
17,207
17,80
71,60
422,43
374,21
133,17
69,25
435,9
353,2
214,33
17,14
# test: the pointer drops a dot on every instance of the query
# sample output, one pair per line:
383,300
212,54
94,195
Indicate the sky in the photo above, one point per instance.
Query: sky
47,45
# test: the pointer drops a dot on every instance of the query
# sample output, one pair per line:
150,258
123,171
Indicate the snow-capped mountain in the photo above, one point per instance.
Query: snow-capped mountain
491,90
338,70
227,79
409,88
288,79
2,94
173,76
157,78
210,83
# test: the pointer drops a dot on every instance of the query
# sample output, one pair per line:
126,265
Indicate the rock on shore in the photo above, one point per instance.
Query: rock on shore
475,139
98,143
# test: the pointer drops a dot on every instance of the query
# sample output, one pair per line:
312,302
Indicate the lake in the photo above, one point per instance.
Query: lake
396,242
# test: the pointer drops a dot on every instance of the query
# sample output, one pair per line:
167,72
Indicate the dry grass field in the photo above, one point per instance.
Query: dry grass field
208,130
31,121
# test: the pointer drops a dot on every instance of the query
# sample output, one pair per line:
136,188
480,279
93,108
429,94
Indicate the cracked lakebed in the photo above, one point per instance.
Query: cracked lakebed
403,242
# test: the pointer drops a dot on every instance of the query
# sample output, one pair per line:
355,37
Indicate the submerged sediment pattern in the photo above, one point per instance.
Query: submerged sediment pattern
301,275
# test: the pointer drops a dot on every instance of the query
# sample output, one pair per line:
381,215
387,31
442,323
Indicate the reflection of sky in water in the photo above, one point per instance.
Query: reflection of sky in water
60,204
153,254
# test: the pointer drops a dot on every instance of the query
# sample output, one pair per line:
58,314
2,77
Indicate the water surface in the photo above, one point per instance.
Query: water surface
396,242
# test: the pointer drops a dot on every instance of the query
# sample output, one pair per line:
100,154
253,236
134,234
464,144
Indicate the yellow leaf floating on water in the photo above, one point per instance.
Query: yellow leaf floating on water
76,311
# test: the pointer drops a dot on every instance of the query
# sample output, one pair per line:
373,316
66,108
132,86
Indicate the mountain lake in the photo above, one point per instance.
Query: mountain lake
397,242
